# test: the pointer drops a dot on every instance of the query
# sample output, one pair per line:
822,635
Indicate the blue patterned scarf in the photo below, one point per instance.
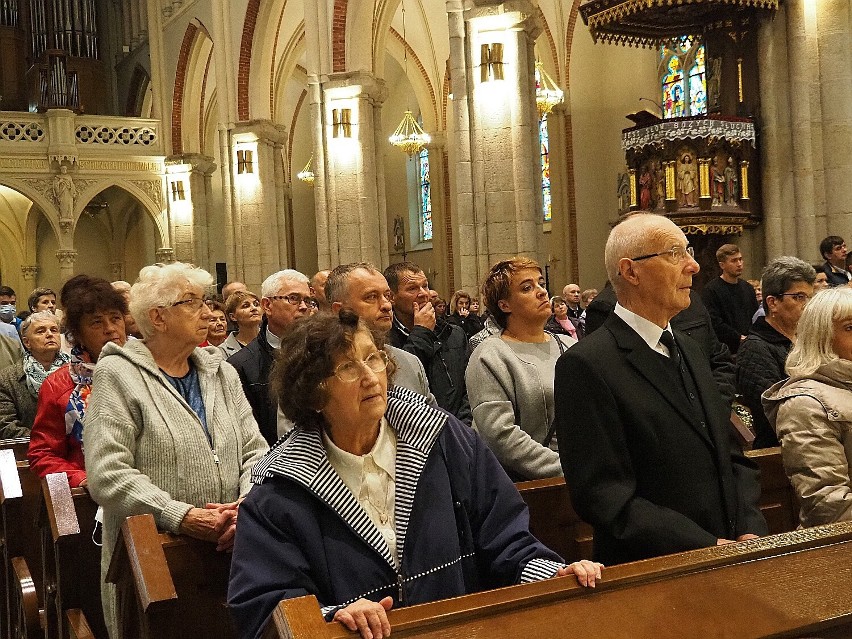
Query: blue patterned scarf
36,373
81,369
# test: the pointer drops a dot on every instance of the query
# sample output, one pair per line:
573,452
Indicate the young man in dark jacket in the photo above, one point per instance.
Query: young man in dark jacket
441,347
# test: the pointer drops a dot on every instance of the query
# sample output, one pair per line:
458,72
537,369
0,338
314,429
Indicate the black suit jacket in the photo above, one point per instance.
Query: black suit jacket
695,321
641,469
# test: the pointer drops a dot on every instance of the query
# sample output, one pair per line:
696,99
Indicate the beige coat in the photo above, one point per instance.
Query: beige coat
813,419
146,451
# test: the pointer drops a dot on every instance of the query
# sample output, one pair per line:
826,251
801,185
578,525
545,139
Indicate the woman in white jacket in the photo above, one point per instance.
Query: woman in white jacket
812,411
169,430
510,375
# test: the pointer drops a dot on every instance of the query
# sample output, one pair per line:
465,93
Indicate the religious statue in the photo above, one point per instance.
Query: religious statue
64,192
714,83
717,182
398,236
645,184
660,185
623,192
687,177
731,186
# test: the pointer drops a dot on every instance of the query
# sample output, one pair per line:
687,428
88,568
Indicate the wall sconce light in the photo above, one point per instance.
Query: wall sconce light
491,63
245,162
178,193
341,123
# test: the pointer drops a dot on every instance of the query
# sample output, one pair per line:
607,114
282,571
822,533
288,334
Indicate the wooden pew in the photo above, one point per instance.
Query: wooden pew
555,523
168,585
72,562
787,585
22,568
19,446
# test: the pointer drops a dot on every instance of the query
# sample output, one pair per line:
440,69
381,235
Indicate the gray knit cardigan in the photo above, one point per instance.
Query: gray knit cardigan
146,451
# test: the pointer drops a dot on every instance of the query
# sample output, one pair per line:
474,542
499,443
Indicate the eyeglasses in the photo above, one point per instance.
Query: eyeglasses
194,304
294,299
351,370
801,298
676,254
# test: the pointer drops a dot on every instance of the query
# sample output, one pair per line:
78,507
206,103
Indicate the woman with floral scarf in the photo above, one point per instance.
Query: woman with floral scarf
20,382
94,315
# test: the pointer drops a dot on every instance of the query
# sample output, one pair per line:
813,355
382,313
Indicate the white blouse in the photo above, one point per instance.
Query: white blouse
371,479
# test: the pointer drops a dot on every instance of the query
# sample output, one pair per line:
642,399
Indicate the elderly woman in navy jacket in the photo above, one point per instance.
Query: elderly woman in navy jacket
375,499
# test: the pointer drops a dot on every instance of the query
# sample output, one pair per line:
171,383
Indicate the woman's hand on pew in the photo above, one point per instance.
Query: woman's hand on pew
367,617
200,523
746,537
587,572
226,524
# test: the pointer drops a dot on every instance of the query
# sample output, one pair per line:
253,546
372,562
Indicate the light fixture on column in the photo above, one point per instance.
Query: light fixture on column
341,123
307,174
178,192
491,62
409,135
547,94
245,161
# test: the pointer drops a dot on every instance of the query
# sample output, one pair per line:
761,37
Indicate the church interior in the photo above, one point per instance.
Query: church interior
253,135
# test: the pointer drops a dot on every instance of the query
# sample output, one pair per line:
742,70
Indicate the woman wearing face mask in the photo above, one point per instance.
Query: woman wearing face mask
20,383
94,316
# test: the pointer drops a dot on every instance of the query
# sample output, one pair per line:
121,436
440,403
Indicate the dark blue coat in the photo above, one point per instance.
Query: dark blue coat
461,525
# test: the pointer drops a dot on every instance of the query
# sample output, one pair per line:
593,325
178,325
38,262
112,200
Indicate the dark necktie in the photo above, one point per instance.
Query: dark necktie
668,340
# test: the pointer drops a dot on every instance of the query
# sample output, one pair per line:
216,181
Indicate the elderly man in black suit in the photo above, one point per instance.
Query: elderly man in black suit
642,427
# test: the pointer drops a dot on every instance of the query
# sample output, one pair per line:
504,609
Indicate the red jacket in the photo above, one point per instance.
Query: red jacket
51,450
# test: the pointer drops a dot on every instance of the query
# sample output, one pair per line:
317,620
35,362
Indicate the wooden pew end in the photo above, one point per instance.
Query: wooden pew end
25,597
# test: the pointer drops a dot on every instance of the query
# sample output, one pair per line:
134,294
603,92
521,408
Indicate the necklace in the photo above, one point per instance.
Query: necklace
377,484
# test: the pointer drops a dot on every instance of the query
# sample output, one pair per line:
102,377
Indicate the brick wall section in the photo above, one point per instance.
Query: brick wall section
244,68
203,96
180,81
445,95
338,36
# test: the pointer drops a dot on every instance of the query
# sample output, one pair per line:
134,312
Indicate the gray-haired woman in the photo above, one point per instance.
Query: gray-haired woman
169,430
812,411
20,382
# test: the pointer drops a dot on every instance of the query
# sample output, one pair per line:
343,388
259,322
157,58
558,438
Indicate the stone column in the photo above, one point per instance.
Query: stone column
349,182
67,258
834,38
495,109
189,194
259,205
165,255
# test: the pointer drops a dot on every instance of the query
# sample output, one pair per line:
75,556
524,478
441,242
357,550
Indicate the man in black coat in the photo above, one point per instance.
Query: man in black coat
441,346
285,298
695,321
643,437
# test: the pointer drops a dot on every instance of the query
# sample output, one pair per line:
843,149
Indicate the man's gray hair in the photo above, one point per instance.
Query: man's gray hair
781,273
162,285
272,284
630,237
337,284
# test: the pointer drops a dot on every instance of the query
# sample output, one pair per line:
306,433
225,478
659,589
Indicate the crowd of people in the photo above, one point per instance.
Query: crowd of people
368,434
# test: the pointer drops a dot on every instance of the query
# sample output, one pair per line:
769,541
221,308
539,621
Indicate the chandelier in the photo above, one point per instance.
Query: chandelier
409,136
307,174
547,94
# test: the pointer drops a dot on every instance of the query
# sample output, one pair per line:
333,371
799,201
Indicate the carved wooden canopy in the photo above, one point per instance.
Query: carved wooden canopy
652,22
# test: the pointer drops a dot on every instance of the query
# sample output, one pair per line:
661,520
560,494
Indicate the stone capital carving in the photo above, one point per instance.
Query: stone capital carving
355,84
66,257
116,269
190,163
165,255
259,131
29,272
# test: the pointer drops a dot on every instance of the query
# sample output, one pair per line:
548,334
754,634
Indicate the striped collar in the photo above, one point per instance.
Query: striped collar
301,457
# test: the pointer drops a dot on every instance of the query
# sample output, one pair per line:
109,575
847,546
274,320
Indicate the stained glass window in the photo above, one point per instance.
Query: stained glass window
544,141
683,95
425,196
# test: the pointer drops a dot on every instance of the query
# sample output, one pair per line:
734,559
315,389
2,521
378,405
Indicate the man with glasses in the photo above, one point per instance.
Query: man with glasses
787,285
285,297
833,251
730,300
643,431
361,288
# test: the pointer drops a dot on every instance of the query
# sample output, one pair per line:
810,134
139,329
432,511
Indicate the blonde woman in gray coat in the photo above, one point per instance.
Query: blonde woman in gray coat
510,375
168,428
812,410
